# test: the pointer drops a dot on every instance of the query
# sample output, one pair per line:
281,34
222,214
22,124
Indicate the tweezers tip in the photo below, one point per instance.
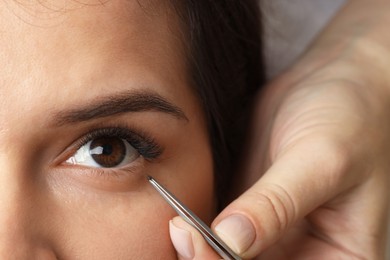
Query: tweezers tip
149,178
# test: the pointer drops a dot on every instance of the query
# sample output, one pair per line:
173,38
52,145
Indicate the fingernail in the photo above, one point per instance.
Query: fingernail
182,241
237,232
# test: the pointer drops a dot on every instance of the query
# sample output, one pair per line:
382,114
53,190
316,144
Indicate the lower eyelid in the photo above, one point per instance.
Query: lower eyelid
109,179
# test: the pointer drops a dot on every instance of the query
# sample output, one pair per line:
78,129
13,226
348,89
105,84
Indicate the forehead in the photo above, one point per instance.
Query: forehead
70,29
52,50
84,19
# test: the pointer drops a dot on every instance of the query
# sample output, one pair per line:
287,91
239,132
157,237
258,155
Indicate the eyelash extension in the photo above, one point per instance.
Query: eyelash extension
144,144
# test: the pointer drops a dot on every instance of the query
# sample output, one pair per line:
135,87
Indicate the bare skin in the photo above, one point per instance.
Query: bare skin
58,57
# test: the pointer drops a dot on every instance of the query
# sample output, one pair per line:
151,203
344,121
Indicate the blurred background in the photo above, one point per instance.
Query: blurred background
290,26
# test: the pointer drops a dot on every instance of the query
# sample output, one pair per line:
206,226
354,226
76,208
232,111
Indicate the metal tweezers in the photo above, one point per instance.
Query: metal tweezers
214,241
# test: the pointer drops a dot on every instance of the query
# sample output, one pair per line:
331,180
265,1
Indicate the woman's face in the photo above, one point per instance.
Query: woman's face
94,96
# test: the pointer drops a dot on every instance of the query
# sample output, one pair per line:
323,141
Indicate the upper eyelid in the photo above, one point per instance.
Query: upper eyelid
125,133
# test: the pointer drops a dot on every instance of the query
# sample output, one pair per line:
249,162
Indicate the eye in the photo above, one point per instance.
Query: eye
114,147
106,152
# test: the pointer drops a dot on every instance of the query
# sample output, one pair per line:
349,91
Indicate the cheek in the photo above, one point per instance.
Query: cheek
126,226
121,226
91,224
189,174
196,188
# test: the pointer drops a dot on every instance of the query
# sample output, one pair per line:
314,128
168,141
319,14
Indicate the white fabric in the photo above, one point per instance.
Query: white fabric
290,26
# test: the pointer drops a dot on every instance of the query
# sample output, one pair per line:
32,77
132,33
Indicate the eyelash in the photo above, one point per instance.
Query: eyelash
143,143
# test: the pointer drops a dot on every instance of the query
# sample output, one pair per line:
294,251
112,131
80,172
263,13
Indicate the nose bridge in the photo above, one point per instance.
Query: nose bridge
20,233
13,206
12,194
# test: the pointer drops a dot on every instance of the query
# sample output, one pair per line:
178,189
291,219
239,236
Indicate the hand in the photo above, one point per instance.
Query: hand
321,138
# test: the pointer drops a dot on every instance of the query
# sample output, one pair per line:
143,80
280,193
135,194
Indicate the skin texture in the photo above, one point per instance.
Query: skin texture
317,179
62,55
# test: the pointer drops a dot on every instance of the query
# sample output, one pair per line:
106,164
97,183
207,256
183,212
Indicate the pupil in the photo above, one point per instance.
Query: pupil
108,151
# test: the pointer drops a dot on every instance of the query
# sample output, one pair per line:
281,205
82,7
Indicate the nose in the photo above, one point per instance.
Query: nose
22,233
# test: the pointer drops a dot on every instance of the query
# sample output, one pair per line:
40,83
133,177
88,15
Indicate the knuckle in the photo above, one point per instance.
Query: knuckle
333,158
330,157
278,203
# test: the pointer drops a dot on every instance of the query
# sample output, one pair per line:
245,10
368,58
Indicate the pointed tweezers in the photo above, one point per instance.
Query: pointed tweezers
214,241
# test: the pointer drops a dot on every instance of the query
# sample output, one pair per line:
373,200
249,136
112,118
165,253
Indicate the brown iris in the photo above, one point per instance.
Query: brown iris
108,151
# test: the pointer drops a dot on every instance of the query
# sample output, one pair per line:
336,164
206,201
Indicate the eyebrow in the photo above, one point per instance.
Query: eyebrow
119,104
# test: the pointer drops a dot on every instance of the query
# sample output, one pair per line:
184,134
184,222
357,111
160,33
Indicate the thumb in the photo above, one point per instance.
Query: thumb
188,242
298,182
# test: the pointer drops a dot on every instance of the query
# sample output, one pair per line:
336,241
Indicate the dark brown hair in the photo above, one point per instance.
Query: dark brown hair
226,66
